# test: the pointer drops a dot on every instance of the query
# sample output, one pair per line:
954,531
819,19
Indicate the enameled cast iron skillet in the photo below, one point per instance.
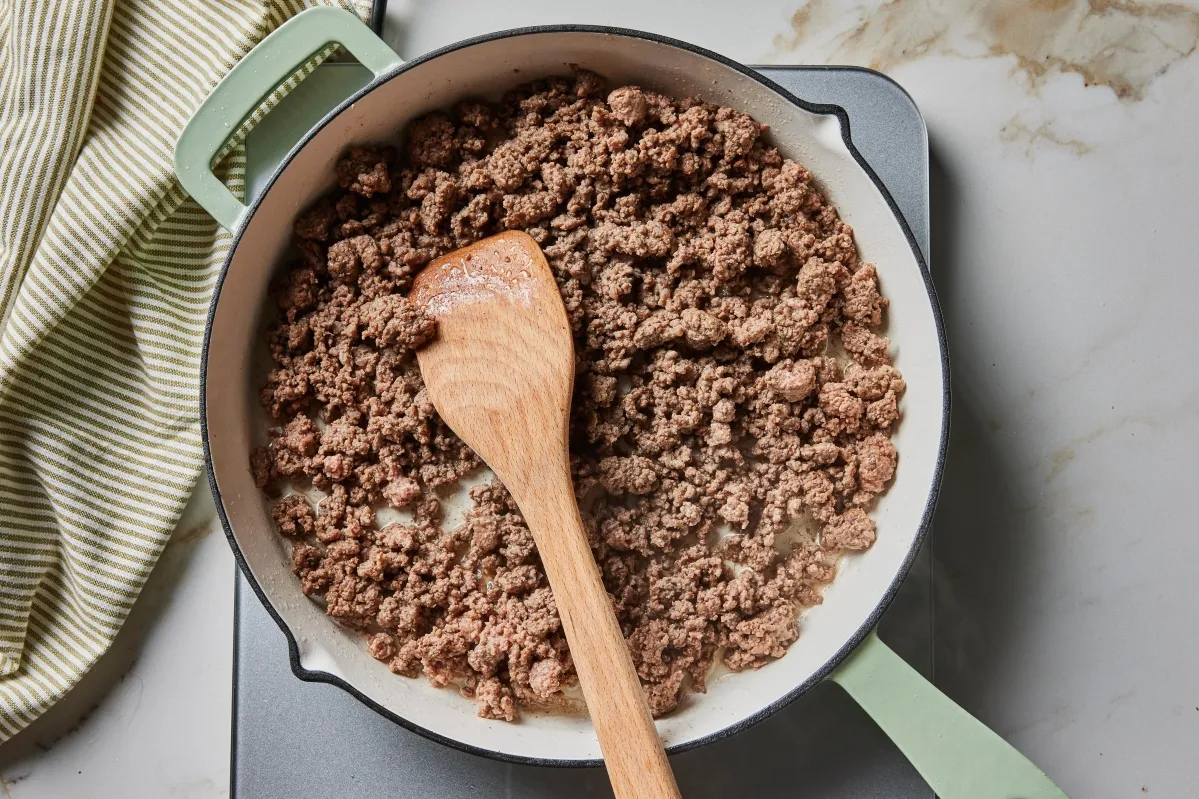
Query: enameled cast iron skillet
959,756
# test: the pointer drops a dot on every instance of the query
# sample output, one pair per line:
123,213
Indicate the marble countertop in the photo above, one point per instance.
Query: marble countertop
1064,199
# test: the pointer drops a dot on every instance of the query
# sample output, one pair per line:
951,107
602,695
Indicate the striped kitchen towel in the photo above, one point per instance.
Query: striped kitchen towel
106,269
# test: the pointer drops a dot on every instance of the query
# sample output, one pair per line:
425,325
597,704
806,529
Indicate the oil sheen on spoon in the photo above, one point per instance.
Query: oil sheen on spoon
502,268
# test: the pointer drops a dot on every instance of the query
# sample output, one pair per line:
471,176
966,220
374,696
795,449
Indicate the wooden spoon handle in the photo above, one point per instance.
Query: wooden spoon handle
633,753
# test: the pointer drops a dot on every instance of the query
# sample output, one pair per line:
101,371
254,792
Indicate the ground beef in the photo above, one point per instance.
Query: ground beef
709,286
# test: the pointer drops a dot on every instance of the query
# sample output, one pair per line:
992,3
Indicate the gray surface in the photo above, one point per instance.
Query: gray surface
298,739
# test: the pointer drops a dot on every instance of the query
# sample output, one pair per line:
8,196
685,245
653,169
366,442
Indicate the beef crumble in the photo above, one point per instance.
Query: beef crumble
707,281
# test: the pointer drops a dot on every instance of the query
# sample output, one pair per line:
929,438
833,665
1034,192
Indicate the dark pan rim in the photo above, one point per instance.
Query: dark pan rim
851,642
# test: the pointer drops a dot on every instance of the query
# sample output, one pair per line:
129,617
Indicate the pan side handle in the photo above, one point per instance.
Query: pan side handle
249,82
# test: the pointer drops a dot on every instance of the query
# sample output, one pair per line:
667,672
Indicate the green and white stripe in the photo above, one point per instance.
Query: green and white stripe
106,269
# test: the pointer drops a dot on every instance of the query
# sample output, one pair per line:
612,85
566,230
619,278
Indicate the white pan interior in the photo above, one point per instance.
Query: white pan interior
485,68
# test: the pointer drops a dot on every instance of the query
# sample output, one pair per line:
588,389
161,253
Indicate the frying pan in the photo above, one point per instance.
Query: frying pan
959,757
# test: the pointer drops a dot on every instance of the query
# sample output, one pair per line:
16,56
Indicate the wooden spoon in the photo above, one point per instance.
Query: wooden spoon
500,372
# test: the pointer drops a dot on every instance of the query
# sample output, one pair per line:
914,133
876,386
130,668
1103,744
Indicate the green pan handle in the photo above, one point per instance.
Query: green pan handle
258,74
955,753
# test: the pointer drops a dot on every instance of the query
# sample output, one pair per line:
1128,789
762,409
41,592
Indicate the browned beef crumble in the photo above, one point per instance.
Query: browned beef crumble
707,281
